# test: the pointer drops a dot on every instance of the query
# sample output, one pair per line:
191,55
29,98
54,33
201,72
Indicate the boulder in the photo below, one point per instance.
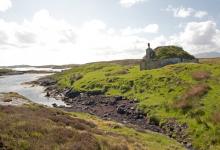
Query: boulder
70,93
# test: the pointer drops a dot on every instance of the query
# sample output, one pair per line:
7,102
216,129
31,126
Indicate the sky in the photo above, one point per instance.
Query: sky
80,31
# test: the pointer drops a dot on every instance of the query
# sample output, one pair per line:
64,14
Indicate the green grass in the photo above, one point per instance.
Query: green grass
34,127
164,52
159,91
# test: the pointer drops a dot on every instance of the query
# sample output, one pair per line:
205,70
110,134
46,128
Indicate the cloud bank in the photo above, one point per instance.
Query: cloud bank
181,12
5,5
130,3
47,40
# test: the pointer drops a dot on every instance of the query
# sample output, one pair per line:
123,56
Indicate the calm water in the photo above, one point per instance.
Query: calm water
37,69
36,94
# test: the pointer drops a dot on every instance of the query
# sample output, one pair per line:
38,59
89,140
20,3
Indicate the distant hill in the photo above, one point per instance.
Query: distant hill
121,62
208,55
164,52
44,66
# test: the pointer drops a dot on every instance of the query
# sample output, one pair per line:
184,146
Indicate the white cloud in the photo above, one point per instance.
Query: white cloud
5,5
197,37
200,36
182,12
130,3
151,28
45,40
199,33
200,14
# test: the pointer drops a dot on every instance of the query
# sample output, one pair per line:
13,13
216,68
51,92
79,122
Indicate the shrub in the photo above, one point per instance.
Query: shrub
154,120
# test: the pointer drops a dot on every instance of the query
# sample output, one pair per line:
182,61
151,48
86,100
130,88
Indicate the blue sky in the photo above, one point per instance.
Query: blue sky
79,31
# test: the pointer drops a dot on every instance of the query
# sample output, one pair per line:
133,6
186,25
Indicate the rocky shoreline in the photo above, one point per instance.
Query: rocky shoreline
13,99
115,108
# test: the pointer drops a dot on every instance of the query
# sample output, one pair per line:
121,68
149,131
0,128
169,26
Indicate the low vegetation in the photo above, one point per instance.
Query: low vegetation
201,75
5,71
188,92
13,98
34,127
172,52
191,97
9,96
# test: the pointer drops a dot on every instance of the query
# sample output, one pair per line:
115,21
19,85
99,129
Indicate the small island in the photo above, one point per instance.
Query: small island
165,55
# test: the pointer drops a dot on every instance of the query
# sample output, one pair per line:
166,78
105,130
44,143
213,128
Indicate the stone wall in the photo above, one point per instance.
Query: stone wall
153,64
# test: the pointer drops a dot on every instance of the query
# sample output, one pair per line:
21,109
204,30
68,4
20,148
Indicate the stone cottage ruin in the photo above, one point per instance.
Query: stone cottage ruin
150,60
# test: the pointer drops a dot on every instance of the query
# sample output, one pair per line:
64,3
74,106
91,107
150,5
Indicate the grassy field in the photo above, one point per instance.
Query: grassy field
188,92
34,127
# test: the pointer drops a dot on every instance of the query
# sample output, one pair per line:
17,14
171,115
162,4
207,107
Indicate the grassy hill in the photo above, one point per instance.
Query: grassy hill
190,93
34,127
164,52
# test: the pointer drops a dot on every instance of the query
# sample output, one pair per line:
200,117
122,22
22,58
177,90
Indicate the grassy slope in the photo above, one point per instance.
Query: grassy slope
168,92
35,127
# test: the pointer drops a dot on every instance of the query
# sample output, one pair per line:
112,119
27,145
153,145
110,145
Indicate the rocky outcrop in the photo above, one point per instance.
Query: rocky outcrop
177,131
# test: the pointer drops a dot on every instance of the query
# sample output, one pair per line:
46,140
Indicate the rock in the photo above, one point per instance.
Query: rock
83,95
54,105
106,115
61,106
121,109
132,108
70,93
95,92
135,100
118,98
85,108
90,102
47,94
189,145
46,81
125,122
113,101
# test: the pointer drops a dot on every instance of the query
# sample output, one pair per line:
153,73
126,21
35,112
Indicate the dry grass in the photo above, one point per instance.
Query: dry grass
9,96
36,127
216,117
201,75
190,97
196,91
209,60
